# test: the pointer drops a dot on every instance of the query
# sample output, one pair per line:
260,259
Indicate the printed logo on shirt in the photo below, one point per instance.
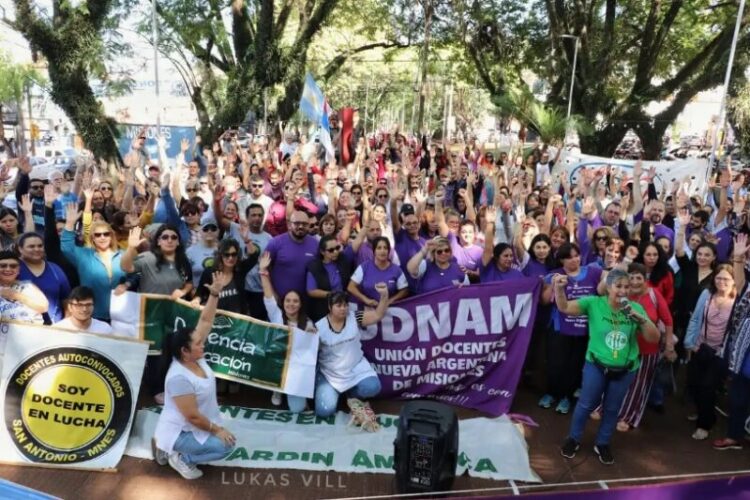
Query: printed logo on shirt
208,262
67,405
616,340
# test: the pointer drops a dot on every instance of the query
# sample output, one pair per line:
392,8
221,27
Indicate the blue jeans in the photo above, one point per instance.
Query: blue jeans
195,453
296,403
327,398
597,389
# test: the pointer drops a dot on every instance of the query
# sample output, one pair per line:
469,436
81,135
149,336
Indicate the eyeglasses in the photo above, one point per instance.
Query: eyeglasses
170,237
441,251
101,235
105,188
210,228
230,255
337,248
257,185
191,190
83,305
10,265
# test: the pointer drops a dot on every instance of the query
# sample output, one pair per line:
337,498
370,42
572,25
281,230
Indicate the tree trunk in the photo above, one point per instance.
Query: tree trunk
71,91
8,147
605,141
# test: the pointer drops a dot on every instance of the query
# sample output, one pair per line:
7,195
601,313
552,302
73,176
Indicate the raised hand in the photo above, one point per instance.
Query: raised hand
24,166
683,215
134,238
740,246
184,145
25,204
72,214
49,195
490,216
220,280
264,262
588,206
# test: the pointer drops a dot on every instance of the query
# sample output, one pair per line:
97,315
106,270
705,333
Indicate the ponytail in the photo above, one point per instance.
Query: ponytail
172,345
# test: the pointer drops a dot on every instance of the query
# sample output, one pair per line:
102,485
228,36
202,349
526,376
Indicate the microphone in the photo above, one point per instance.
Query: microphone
626,308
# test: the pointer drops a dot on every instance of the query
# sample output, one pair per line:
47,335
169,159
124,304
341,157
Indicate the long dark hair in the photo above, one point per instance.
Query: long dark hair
225,245
301,315
180,259
171,347
549,262
661,268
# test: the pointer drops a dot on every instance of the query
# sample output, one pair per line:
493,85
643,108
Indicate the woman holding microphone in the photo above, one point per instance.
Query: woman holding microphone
612,359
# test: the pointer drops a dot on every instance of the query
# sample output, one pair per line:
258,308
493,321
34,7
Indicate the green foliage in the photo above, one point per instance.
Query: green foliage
14,78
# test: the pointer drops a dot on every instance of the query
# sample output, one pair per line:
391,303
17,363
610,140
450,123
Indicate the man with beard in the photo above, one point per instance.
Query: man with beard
655,212
290,252
255,216
252,194
274,189
361,249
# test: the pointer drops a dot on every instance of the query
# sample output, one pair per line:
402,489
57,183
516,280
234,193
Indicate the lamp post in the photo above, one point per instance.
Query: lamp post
722,107
573,72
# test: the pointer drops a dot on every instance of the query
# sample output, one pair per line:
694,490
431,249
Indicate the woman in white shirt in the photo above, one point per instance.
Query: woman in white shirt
342,366
188,431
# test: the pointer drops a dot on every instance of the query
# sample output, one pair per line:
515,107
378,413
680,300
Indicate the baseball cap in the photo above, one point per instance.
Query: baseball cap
407,209
209,222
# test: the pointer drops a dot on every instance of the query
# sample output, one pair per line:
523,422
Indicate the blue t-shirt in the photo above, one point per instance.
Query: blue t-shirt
54,285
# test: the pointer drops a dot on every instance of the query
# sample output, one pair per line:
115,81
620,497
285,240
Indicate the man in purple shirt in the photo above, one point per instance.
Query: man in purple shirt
290,253
610,218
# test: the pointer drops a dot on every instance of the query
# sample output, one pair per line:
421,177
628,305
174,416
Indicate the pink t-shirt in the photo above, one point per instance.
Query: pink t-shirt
717,319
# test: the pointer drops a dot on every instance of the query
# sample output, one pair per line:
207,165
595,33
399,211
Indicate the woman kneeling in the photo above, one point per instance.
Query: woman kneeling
188,431
342,366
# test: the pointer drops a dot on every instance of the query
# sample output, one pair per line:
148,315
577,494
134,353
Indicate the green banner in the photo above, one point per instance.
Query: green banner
238,348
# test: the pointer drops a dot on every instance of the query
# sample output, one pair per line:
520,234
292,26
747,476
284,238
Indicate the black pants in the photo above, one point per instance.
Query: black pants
153,376
565,357
704,377
739,406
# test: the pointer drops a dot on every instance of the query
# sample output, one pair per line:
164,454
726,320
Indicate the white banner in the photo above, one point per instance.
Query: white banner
275,439
67,398
694,169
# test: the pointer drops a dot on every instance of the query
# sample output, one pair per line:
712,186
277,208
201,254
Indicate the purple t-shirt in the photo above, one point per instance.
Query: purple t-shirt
469,257
289,262
435,278
334,278
365,253
406,248
491,273
724,246
535,269
367,275
578,286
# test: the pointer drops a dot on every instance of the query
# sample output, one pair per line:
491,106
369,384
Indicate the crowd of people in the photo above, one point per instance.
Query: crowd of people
274,231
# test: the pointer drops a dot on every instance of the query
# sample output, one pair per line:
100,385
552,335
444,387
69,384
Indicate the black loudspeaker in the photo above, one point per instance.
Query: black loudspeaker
426,447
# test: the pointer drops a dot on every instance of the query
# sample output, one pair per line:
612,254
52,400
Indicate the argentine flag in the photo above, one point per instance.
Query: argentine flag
315,107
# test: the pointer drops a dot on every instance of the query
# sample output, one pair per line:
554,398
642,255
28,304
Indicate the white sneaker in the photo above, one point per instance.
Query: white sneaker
160,456
276,399
700,434
188,471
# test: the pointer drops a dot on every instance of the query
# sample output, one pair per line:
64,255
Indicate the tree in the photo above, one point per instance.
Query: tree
262,50
631,53
77,40
14,78
739,113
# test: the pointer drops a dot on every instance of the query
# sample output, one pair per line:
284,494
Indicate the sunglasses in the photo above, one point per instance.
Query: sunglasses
356,193
257,185
168,237
300,223
191,190
9,266
230,255
337,248
190,212
101,235
441,251
210,228
380,196
600,238
105,188
36,187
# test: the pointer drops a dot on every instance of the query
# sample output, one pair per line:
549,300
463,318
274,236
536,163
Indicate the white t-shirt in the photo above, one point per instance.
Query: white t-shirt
96,326
340,358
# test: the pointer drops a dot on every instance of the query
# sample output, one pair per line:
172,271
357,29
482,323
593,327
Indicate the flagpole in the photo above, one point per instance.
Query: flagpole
155,32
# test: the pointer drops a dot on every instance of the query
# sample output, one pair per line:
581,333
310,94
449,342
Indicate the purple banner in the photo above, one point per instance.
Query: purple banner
462,346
